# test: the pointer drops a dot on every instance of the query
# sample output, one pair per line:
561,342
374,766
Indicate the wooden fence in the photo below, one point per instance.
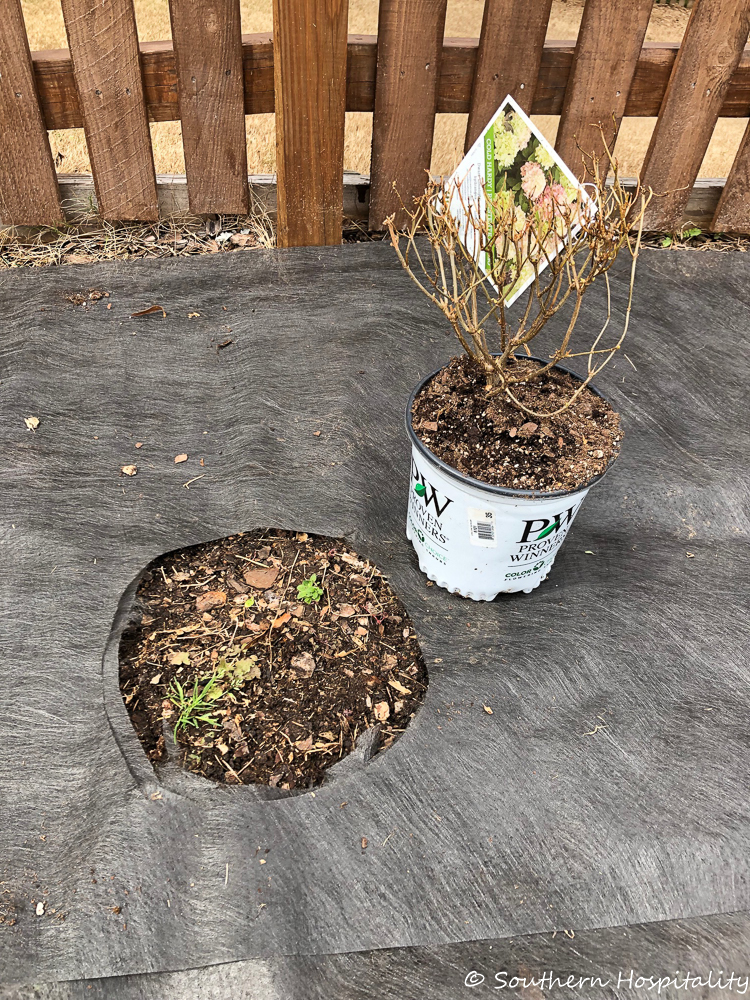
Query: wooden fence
210,76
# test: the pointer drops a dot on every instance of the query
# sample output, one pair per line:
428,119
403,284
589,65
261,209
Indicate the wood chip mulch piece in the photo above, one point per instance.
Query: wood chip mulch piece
262,657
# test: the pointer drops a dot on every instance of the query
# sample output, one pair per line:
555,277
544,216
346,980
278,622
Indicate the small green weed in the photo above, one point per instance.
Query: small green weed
191,705
308,591
236,672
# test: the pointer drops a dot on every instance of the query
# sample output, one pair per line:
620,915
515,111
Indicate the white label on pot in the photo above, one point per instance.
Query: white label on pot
513,540
482,527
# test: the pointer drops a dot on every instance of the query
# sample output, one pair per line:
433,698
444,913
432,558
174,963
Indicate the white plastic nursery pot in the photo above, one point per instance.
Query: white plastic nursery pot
479,540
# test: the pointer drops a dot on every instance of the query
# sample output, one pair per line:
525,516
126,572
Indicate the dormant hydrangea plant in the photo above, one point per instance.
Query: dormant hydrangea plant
538,228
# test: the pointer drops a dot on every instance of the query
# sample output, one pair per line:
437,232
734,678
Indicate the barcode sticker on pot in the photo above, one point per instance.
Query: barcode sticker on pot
482,527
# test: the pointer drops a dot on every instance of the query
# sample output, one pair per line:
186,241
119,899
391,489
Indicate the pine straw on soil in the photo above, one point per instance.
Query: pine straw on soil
91,240
282,687
705,242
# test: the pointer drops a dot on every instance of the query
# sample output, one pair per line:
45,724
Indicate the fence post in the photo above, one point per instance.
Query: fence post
309,43
733,211
29,194
410,46
508,60
710,52
106,64
606,55
207,39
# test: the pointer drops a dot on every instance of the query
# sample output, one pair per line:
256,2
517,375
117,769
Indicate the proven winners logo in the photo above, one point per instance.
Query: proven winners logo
543,535
426,508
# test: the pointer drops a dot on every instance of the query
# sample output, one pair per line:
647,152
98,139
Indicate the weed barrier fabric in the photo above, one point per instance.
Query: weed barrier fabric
607,789
613,963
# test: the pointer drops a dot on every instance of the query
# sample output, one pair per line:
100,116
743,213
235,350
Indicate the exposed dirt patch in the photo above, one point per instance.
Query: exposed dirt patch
287,646
492,440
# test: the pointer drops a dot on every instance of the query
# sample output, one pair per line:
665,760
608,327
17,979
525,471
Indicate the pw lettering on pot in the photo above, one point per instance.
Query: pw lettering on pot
426,509
427,493
544,526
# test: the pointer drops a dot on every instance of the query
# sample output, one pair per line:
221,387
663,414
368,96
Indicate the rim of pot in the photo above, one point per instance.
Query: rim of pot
488,487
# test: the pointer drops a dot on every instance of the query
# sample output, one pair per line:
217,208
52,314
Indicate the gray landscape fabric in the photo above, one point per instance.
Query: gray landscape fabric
580,765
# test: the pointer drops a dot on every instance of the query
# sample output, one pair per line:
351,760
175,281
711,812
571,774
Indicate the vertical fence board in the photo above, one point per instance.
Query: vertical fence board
709,54
733,211
606,55
509,57
29,194
410,44
207,39
309,38
106,64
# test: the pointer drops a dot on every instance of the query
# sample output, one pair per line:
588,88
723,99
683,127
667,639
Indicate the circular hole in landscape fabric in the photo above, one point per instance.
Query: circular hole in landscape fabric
261,658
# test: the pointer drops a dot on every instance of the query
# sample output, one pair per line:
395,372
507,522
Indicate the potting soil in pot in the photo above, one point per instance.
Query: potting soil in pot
491,440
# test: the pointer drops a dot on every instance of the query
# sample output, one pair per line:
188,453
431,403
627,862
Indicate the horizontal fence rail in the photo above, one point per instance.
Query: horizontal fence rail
58,97
310,73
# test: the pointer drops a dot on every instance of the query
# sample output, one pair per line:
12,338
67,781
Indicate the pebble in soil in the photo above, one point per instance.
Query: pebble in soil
265,655
490,439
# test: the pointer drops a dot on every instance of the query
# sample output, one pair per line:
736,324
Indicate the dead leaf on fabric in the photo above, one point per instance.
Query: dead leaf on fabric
242,239
180,458
128,470
150,311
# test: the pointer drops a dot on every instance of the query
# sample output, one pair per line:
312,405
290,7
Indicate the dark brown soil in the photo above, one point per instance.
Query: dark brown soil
493,441
287,686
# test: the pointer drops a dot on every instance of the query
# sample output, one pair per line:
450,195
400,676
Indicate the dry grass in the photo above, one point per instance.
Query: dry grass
46,30
93,239
691,238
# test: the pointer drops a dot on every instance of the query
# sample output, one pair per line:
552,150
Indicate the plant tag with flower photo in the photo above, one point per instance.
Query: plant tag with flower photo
515,183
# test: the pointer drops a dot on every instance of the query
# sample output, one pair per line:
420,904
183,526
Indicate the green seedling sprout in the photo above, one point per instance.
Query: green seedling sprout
191,705
308,591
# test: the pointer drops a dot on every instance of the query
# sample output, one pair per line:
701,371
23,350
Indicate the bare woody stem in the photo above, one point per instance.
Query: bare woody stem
563,249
